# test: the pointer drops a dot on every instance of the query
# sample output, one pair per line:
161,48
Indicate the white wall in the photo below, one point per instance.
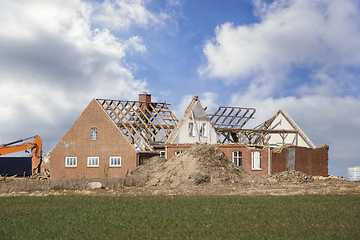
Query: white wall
281,123
184,137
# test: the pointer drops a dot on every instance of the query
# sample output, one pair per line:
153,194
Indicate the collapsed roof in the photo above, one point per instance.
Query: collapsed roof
145,124
148,124
229,123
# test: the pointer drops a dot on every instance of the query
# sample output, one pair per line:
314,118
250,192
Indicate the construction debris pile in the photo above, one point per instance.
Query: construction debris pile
330,177
291,176
200,165
44,176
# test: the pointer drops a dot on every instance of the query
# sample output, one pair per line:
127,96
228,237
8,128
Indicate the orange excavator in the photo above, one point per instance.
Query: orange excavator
35,147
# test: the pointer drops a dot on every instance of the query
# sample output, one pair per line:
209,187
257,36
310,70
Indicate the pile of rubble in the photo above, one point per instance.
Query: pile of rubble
330,177
291,176
45,175
200,165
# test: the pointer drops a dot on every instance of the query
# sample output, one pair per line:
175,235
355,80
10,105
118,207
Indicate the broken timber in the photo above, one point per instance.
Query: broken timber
143,123
229,122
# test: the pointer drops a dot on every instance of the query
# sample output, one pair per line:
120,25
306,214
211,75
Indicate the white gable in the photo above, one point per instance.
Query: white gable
283,121
195,127
198,111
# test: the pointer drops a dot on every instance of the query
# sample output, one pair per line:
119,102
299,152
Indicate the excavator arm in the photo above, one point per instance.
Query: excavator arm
35,147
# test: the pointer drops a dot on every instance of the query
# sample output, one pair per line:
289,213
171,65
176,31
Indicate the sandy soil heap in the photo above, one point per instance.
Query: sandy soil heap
199,165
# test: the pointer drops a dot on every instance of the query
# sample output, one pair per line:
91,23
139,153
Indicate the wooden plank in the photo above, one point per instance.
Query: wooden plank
212,116
156,121
128,131
226,117
173,119
167,116
146,125
233,118
219,117
154,109
135,131
155,126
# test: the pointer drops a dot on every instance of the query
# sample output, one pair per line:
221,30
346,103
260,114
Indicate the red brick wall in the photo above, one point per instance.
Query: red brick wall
77,143
310,161
228,149
246,157
278,161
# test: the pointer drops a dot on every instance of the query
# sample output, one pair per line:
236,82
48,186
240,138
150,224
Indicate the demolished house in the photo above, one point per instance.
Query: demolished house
112,137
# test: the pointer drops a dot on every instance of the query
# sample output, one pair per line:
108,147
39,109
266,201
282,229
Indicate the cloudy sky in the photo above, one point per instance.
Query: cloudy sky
299,55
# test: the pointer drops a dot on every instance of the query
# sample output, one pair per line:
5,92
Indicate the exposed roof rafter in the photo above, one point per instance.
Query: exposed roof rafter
141,122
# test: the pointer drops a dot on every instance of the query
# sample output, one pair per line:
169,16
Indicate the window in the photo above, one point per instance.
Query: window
162,154
178,152
237,158
70,161
203,129
191,129
93,133
115,162
256,160
93,161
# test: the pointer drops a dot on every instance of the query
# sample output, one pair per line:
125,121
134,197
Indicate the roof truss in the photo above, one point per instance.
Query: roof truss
144,124
231,117
229,120
256,136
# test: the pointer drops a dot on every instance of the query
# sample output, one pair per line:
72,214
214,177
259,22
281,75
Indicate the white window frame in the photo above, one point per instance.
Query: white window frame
93,133
162,154
115,161
93,161
203,130
178,152
191,129
256,160
70,161
237,158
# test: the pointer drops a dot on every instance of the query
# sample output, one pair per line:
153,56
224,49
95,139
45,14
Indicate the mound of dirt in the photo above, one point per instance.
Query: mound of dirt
291,176
143,173
200,165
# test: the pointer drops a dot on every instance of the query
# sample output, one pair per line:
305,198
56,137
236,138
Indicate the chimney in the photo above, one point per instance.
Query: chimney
145,97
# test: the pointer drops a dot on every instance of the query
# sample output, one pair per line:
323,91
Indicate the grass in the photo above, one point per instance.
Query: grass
180,217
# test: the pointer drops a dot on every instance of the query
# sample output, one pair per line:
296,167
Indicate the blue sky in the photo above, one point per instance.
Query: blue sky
299,55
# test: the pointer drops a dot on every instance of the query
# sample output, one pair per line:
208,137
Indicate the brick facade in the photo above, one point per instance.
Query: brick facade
307,160
77,143
246,157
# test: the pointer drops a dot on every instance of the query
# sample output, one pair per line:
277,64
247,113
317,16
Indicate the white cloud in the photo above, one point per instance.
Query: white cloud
122,14
209,100
53,62
321,36
179,110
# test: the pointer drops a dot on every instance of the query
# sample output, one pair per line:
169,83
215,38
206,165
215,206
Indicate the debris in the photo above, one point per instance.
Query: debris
94,185
200,165
46,172
291,176
142,174
329,177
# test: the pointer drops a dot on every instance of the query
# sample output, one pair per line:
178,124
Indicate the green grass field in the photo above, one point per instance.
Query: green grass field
181,217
